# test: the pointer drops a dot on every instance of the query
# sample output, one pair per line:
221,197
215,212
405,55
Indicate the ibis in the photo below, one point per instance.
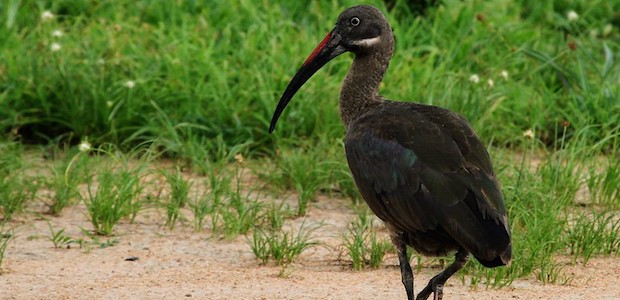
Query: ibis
420,168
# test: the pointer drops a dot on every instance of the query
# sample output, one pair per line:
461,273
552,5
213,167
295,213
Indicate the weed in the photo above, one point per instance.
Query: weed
179,191
15,186
604,185
549,272
591,234
362,244
58,238
283,247
15,190
200,207
95,240
309,169
304,175
275,215
64,180
114,195
6,235
240,213
562,171
217,187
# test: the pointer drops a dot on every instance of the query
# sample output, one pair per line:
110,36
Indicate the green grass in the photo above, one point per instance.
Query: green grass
283,247
206,202
239,211
6,235
16,186
361,242
196,82
66,174
593,234
59,238
113,193
178,198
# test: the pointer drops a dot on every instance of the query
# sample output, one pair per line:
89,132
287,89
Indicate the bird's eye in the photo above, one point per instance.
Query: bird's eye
355,21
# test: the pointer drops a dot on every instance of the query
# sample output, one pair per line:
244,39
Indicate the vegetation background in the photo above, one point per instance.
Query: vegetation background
135,83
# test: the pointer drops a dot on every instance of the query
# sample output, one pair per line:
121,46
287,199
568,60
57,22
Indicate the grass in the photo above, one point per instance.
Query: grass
593,234
113,193
6,235
16,187
283,247
361,242
239,211
196,83
66,175
205,203
603,184
178,198
59,238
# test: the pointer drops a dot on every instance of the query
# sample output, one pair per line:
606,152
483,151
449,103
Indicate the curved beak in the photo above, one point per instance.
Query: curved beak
328,49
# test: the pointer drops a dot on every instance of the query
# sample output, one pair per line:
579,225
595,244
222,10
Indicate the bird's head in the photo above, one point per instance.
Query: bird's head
359,29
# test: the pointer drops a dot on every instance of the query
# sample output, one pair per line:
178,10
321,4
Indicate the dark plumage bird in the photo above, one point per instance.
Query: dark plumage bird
421,169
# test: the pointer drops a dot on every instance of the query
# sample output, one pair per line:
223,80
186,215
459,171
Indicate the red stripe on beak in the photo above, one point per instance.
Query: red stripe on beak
318,48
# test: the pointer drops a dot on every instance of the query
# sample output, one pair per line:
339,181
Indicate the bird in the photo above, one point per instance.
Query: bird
421,169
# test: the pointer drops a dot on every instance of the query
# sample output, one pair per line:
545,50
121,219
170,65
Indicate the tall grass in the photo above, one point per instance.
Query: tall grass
177,74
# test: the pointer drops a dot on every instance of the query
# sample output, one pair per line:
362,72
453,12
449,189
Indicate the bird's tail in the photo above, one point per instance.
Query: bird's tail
503,259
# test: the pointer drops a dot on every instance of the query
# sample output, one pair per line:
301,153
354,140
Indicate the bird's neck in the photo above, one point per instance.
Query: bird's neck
360,89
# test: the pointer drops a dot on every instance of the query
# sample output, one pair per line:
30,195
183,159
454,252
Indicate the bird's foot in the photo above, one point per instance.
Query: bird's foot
435,285
432,287
438,292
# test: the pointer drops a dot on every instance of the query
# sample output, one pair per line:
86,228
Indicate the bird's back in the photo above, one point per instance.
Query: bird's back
426,174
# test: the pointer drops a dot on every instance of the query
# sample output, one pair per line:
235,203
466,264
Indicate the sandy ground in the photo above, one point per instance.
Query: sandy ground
182,264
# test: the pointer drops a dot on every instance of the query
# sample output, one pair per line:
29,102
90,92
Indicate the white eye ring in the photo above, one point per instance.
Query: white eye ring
355,21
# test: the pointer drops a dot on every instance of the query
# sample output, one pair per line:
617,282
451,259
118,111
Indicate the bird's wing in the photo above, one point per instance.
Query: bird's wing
419,169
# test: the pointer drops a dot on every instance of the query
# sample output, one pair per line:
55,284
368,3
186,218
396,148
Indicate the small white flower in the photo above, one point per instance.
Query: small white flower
101,61
572,16
109,103
84,146
490,83
55,47
57,33
474,78
47,15
130,84
528,134
594,33
239,158
504,74
607,29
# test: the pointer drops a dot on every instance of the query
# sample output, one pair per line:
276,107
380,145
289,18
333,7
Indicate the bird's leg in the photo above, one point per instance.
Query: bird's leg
435,285
405,267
